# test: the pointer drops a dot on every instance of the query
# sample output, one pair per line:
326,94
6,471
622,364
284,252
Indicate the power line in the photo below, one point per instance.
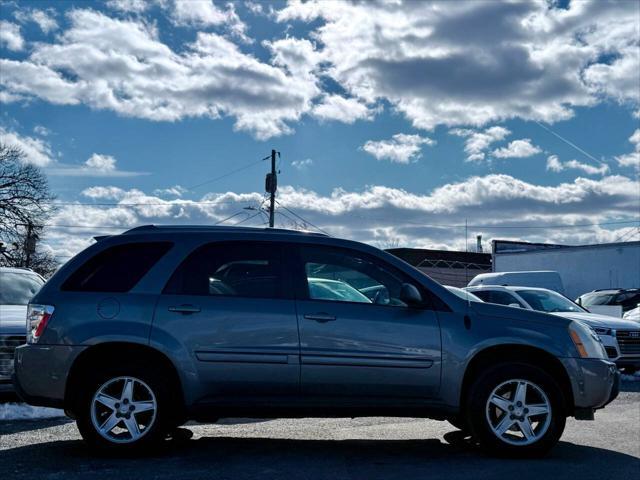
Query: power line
225,175
298,216
136,204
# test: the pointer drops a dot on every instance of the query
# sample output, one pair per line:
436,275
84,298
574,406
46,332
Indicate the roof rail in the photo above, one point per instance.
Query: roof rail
220,228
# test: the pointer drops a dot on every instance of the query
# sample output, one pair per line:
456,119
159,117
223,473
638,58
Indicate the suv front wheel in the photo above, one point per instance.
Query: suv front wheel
516,410
124,408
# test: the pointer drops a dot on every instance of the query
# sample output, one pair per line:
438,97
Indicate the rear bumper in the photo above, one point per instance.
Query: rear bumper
41,372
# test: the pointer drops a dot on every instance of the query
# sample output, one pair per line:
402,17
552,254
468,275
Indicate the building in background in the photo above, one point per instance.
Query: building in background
446,266
583,268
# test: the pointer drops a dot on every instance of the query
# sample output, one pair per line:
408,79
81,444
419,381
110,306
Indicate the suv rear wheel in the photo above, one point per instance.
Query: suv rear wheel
516,410
124,407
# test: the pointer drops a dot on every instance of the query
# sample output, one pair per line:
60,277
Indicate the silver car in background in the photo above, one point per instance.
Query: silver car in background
17,287
620,337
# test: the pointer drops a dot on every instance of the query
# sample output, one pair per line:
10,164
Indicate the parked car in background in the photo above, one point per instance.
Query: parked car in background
627,298
463,294
146,330
17,287
621,338
633,315
541,279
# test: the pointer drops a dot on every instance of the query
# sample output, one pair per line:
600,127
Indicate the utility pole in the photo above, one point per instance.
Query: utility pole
30,244
271,185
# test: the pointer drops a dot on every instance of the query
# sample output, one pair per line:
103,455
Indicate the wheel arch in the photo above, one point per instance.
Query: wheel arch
522,354
126,350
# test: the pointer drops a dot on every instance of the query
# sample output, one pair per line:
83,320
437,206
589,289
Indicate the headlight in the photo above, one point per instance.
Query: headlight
586,341
602,331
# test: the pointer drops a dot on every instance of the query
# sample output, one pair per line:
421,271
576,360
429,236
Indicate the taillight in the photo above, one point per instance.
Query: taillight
37,318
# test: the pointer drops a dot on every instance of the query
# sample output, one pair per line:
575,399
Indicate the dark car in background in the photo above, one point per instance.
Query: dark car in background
627,298
146,330
17,288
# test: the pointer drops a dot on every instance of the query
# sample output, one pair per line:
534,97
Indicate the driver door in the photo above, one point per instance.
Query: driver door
358,339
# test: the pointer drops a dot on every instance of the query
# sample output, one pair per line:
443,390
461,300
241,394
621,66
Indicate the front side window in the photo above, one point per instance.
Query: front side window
18,288
340,275
236,269
116,269
547,301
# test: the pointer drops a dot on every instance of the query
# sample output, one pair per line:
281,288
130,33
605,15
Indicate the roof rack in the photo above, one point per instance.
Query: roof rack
216,228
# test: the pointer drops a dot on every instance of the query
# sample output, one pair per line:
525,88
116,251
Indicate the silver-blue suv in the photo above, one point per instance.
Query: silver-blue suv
146,330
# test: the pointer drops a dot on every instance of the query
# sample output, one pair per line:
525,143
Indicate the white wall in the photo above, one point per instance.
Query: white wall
582,269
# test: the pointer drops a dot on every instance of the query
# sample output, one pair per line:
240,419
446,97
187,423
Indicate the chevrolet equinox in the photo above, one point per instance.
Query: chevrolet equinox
146,330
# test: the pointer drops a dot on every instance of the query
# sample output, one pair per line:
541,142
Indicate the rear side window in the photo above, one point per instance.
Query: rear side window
116,269
238,269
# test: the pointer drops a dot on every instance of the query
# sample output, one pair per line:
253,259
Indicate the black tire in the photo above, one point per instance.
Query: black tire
478,396
164,420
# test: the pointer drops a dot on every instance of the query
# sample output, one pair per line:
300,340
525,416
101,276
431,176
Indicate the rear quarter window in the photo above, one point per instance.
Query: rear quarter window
116,269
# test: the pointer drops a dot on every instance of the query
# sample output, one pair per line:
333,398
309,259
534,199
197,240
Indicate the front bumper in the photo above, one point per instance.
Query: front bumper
594,382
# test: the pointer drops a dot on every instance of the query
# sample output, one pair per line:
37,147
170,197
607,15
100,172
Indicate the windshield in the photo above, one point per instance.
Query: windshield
597,299
548,301
468,296
18,288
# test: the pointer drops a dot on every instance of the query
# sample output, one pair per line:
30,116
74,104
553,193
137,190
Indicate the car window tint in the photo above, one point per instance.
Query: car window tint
116,269
342,275
18,288
242,269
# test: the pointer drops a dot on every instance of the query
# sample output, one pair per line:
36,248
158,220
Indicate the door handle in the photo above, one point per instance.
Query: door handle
184,309
320,317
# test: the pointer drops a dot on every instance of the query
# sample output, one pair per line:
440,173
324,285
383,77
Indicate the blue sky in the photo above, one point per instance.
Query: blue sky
393,119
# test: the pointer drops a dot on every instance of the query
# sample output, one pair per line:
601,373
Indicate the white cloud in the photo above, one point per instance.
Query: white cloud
517,149
41,130
346,110
130,6
555,165
632,159
204,13
175,191
121,65
103,163
479,141
378,212
401,148
36,151
97,165
43,18
302,164
471,63
10,36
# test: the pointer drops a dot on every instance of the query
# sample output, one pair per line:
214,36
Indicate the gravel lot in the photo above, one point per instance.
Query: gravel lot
366,448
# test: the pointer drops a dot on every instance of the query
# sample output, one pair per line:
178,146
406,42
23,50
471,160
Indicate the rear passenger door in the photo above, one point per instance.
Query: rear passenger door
230,305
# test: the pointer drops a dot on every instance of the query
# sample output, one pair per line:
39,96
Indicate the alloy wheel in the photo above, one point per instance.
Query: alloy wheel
123,409
518,412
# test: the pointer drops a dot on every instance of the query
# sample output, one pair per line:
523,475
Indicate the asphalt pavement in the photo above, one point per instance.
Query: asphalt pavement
335,449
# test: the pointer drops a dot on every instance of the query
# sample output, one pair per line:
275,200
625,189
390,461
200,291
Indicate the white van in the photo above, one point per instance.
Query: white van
541,279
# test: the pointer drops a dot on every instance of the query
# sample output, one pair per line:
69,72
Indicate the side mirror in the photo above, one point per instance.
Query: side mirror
410,295
515,305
